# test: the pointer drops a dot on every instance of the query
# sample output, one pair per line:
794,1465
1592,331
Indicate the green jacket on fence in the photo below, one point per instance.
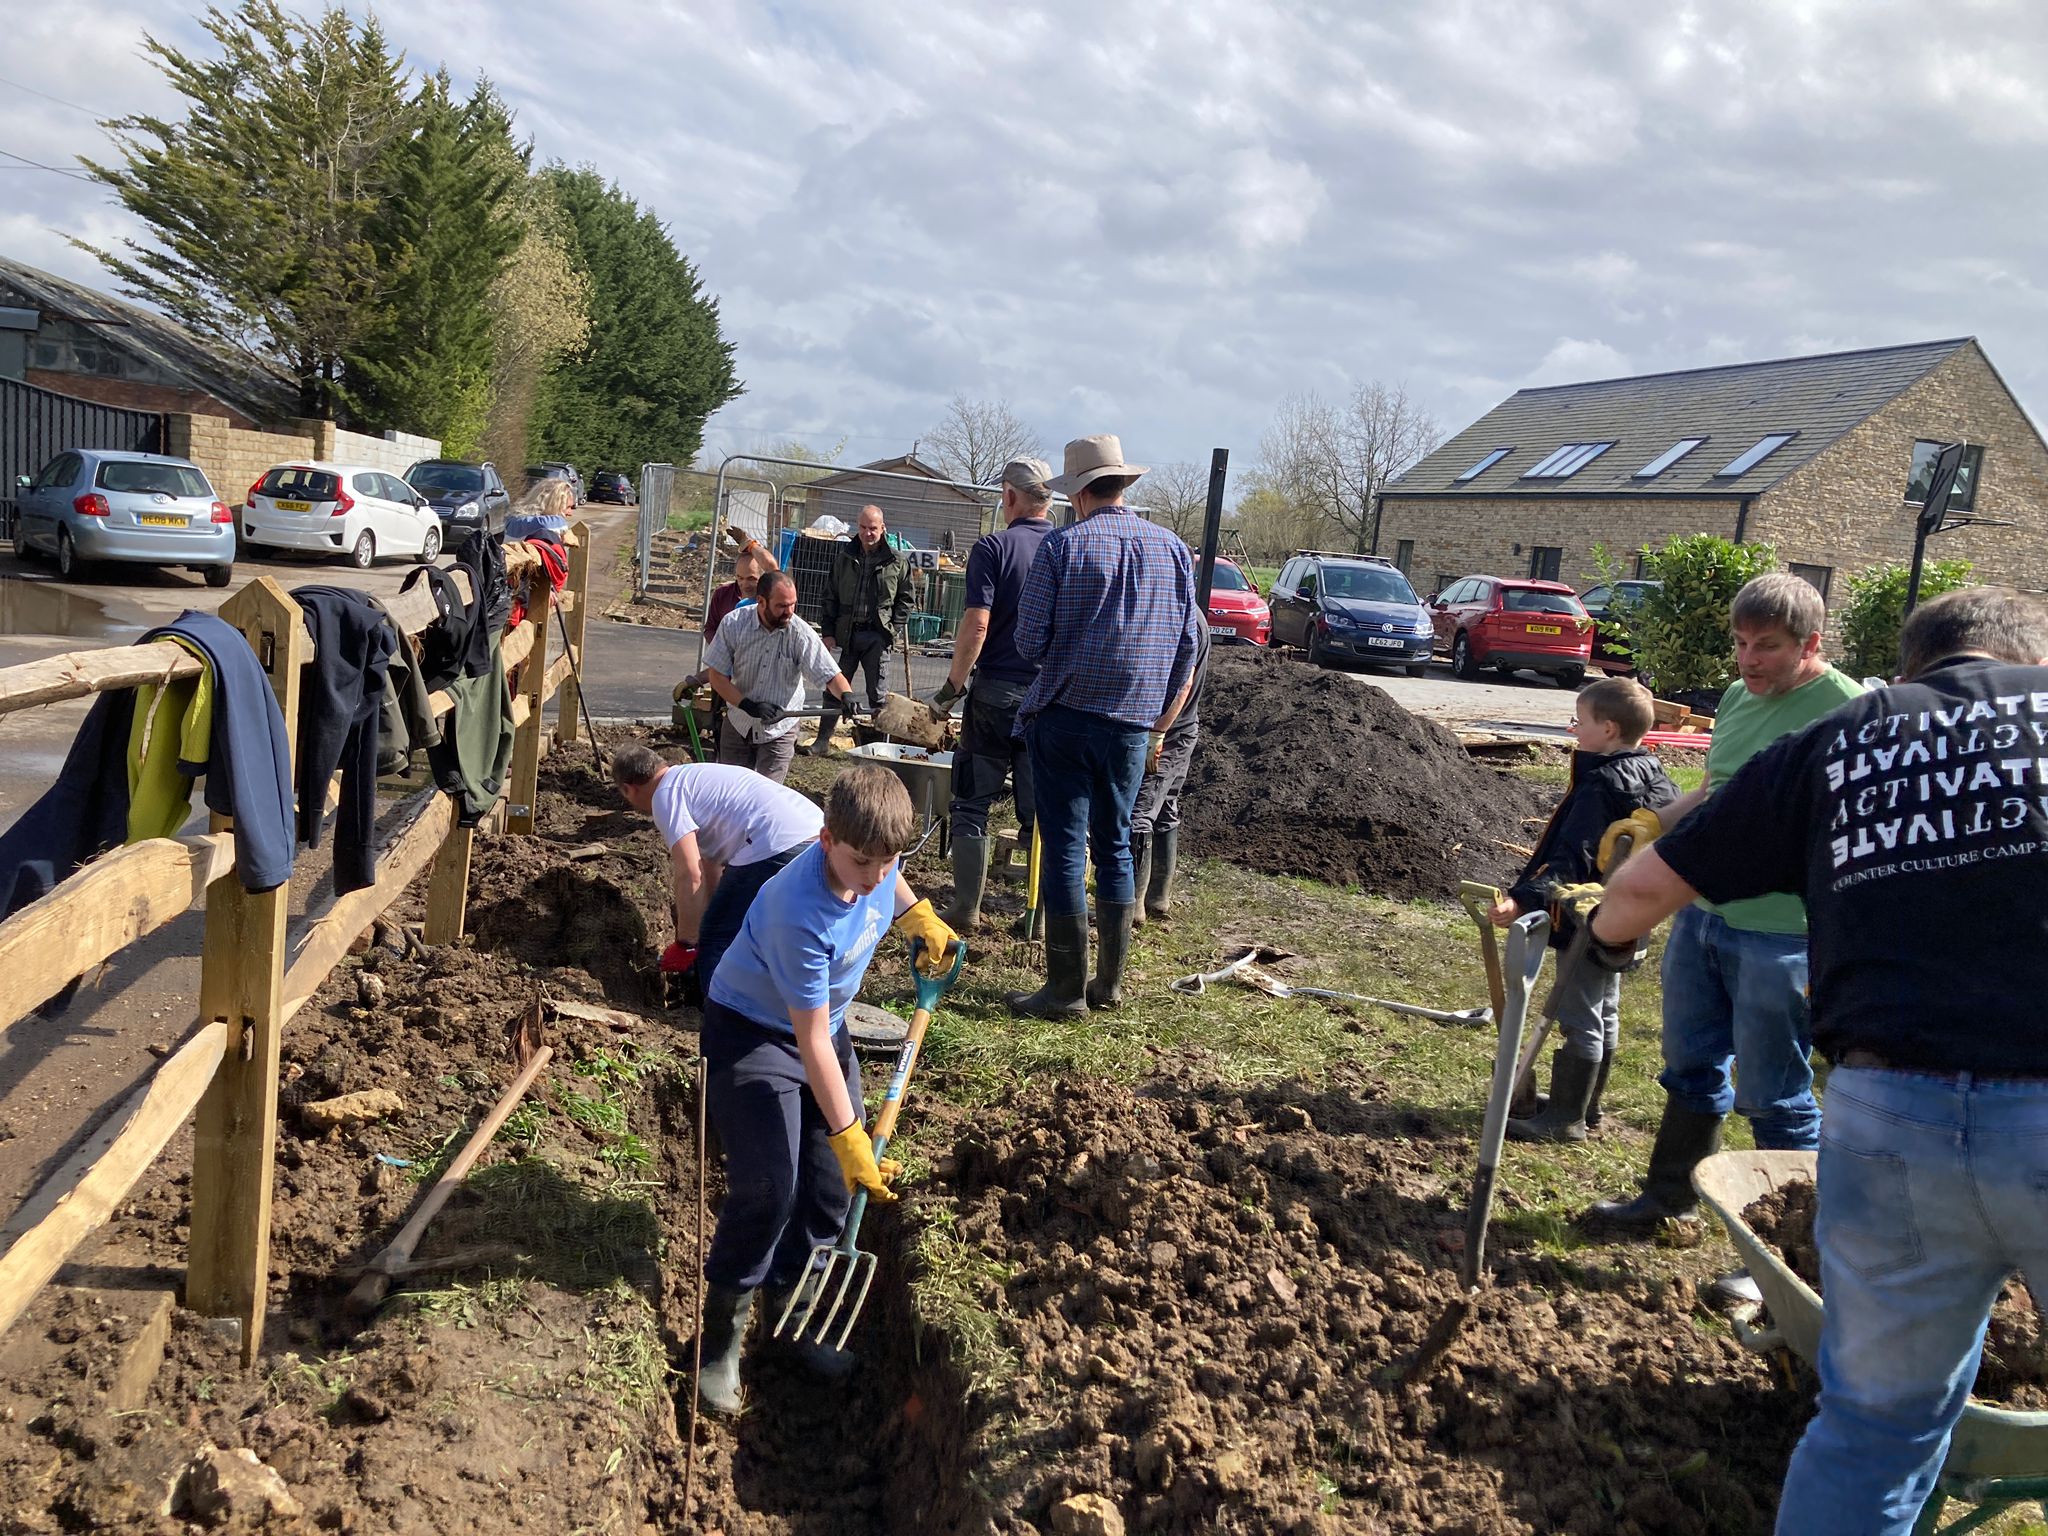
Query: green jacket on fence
871,590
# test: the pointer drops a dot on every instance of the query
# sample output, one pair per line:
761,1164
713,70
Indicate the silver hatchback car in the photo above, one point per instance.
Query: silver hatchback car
97,504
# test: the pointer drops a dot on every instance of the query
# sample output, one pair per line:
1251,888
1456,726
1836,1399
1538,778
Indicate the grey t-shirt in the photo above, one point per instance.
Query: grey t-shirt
771,665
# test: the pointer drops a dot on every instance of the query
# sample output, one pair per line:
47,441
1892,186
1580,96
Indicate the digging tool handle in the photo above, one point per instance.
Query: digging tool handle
885,1122
1476,899
1533,929
371,1290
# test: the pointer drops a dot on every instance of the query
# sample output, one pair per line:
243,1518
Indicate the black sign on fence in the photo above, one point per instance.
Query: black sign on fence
38,424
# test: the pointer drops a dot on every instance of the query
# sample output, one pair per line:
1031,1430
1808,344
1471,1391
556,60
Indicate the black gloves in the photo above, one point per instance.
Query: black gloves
761,710
1620,957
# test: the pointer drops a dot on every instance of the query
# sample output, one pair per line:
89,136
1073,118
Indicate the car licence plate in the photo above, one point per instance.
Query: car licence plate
1388,641
294,506
1546,629
159,520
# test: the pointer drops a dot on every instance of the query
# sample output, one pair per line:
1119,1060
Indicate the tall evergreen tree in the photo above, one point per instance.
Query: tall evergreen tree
654,366
260,199
444,232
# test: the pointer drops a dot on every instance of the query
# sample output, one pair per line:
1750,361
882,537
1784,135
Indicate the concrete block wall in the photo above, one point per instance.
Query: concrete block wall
394,452
234,457
1458,536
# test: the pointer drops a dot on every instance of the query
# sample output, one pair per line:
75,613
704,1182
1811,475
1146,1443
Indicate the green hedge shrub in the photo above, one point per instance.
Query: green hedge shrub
1681,640
1877,611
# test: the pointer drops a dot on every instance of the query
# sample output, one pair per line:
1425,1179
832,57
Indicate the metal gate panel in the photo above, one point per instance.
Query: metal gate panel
38,424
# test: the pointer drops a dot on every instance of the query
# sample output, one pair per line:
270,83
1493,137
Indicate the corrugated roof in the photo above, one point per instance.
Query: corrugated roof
1817,399
261,394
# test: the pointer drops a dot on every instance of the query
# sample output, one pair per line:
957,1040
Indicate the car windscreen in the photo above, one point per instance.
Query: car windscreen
298,484
446,479
152,479
1229,579
1367,584
1522,600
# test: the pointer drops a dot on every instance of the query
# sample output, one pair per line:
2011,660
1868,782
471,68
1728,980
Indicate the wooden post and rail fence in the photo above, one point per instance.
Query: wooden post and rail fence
251,980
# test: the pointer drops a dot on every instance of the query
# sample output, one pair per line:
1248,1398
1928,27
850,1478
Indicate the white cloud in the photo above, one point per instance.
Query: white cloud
1572,361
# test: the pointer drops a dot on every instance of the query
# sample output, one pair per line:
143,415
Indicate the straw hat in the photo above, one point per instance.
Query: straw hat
1090,459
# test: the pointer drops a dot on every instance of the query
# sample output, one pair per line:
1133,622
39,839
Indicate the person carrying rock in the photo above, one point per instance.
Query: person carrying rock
1155,814
1108,616
989,754
758,663
1612,776
867,603
1734,974
783,1085
1914,823
727,830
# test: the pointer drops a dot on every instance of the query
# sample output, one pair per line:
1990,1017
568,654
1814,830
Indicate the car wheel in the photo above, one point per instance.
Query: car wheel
22,551
363,553
1316,653
1419,669
219,575
1463,662
69,565
430,546
1571,677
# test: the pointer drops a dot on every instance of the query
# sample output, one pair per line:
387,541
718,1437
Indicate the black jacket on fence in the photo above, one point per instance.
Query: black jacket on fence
1605,786
341,701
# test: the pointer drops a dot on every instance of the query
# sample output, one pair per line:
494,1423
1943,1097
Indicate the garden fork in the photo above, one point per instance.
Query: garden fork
853,1268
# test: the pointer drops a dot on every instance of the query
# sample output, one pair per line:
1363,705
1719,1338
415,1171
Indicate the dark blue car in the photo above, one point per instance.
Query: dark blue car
1345,609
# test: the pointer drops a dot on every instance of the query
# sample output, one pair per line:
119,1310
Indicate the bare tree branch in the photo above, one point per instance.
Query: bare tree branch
976,438
1175,496
1335,460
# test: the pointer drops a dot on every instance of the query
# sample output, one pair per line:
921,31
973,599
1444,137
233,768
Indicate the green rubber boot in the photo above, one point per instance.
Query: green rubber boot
1113,931
1066,971
725,1330
970,880
1157,890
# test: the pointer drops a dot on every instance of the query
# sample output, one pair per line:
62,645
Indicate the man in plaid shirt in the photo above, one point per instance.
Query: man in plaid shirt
1108,615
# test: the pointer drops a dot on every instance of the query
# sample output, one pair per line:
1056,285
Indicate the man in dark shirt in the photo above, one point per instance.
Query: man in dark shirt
867,603
989,754
1914,822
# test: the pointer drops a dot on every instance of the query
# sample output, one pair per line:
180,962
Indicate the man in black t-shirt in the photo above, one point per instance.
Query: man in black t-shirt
1914,823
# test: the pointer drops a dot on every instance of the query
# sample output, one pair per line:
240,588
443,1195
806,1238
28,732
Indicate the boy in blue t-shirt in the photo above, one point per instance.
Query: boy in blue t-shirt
783,1083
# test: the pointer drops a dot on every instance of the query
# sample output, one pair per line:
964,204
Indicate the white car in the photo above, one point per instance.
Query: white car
340,509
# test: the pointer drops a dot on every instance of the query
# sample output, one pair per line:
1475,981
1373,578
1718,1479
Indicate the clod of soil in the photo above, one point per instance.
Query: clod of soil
2014,1371
1306,772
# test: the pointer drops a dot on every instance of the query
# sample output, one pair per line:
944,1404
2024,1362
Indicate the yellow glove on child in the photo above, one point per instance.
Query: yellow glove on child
856,1154
1642,824
1575,902
921,922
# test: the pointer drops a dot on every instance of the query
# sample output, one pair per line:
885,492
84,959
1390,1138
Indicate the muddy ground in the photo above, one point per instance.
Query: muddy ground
1202,1296
1305,772
2014,1370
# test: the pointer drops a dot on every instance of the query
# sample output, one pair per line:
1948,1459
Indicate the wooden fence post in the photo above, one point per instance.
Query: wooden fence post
448,888
526,742
241,983
568,722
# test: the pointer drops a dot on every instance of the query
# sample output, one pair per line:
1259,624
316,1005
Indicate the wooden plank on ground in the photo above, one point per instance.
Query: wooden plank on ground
107,905
76,674
81,1194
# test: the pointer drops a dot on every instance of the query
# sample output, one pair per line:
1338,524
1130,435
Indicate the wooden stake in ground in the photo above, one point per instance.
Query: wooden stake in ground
375,1285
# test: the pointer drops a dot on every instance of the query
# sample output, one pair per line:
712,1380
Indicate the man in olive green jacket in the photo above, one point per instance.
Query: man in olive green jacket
867,603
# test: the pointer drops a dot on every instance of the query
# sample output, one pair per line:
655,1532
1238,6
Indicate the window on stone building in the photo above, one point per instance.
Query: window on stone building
1567,461
1817,577
1963,494
1744,462
1668,457
1404,556
1484,464
1545,562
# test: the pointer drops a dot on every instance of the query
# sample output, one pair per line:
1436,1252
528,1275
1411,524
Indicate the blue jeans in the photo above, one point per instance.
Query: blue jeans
1731,996
1085,772
1932,1191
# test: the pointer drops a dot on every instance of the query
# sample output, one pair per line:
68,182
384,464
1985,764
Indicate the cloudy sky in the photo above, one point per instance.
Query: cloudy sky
1160,218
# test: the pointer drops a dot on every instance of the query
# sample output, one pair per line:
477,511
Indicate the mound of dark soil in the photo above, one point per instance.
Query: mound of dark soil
2014,1370
1306,772
558,914
1212,1293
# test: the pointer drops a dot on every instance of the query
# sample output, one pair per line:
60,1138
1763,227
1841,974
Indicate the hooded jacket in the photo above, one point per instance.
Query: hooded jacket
1605,786
865,590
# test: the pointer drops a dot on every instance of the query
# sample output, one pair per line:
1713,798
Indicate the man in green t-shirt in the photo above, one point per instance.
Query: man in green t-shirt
1735,975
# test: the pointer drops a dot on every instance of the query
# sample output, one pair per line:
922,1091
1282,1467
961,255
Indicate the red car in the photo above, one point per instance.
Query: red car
1534,626
1236,611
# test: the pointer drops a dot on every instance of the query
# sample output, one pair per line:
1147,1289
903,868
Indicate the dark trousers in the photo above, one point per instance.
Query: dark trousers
865,652
784,1192
726,912
1085,772
1158,804
989,755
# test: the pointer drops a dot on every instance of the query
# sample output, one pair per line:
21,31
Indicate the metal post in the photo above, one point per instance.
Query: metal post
1947,463
644,535
1212,528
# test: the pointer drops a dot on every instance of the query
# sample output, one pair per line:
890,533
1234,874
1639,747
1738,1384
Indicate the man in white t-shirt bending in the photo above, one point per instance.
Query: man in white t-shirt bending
727,829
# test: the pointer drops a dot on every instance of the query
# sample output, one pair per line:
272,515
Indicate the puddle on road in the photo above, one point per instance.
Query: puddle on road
43,608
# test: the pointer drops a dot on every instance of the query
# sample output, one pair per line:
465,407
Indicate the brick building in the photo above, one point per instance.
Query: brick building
1823,458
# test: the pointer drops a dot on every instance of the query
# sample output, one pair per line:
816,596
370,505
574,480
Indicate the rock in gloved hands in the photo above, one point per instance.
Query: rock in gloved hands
763,711
1642,824
687,686
856,1154
923,922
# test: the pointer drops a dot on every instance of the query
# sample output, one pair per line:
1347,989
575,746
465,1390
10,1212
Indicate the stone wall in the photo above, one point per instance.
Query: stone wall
394,452
234,458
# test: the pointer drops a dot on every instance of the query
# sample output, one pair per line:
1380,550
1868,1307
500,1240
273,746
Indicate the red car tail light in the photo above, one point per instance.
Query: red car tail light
91,504
256,488
221,514
343,504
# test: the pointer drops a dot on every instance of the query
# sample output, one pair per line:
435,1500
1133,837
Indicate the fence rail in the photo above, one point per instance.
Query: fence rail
227,1071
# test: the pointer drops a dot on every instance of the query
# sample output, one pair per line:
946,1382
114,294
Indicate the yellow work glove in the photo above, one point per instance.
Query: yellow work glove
1157,750
856,1154
1575,903
921,922
1642,824
683,690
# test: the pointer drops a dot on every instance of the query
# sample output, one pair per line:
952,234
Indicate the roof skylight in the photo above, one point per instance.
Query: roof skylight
1765,447
1484,465
1668,457
1567,461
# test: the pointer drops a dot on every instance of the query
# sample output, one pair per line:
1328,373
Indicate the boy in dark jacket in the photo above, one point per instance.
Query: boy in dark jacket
1612,775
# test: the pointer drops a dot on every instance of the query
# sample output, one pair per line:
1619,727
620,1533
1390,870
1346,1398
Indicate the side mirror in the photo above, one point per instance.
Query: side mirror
23,482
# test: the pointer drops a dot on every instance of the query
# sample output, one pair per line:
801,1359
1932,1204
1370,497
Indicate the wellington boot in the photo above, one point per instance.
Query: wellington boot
1685,1138
1066,972
970,880
1141,873
1593,1112
1113,932
1157,890
725,1329
1563,1116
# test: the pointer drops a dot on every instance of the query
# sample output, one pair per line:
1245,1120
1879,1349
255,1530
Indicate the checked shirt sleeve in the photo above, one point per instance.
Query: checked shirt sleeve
1039,599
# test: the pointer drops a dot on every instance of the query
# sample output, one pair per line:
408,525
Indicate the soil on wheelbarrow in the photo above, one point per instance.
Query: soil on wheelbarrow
1306,772
2014,1370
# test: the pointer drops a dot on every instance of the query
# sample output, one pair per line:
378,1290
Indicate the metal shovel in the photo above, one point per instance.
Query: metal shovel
853,1268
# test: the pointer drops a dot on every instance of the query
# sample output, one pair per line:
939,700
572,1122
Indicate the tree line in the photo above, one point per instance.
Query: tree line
388,243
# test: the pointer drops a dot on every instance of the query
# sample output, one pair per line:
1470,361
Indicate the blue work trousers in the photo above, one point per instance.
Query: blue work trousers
1933,1190
1085,772
784,1193
1733,998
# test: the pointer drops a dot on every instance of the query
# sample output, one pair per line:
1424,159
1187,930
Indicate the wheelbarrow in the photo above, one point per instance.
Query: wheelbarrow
853,1269
1998,1457
928,775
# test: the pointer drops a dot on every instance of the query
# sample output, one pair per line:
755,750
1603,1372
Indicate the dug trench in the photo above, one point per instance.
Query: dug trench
1189,1298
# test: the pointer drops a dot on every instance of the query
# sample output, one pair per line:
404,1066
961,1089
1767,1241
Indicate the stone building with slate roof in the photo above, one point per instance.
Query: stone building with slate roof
1823,458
